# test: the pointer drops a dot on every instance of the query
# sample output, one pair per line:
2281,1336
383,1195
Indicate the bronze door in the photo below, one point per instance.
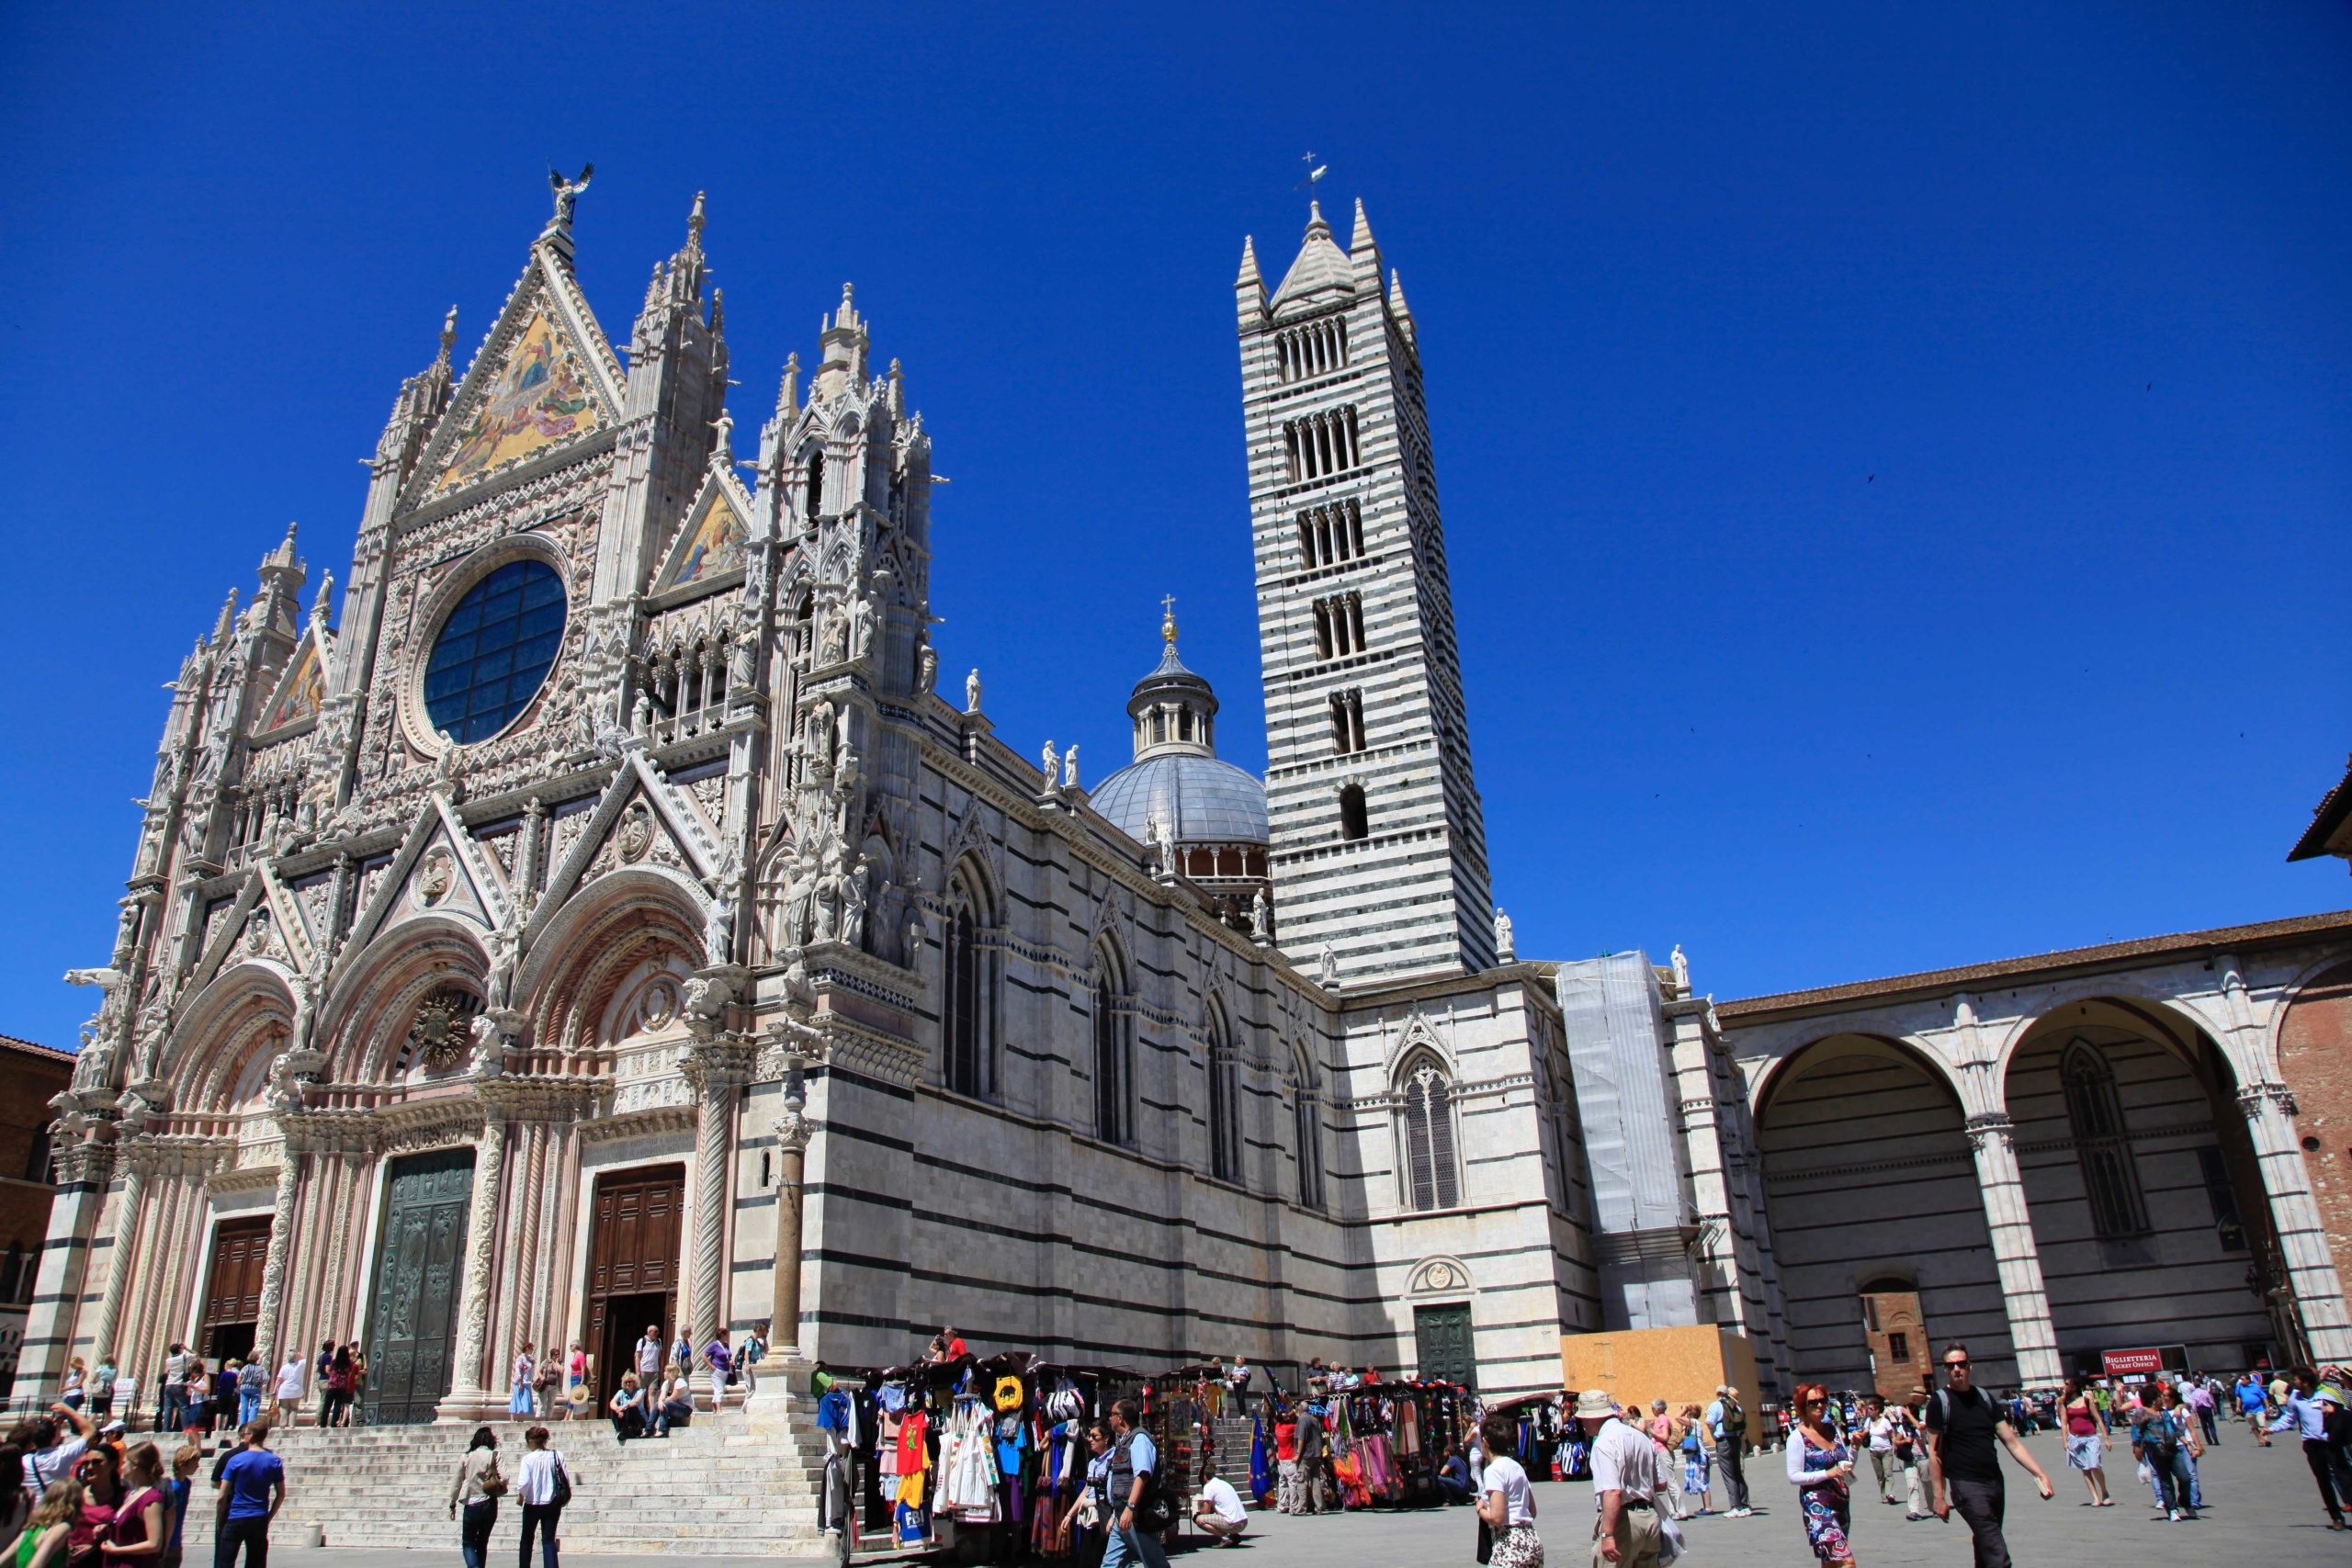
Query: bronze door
632,1265
233,1295
413,1308
1443,1344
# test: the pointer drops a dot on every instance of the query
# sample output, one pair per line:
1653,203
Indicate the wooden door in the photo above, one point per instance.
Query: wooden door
632,1263
412,1307
233,1293
1444,1345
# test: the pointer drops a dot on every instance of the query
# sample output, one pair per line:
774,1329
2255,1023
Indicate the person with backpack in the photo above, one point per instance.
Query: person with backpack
1966,1431
544,1487
720,1361
1138,1512
253,1380
477,1489
1727,1423
2163,1440
102,1381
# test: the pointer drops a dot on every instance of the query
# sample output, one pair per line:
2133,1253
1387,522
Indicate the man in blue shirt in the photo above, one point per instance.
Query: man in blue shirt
1728,1424
1134,1460
253,1484
2254,1405
2307,1420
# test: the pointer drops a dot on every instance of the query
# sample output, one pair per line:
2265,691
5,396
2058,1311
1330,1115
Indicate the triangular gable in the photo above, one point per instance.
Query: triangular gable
294,927
545,378
669,824
465,879
300,691
712,542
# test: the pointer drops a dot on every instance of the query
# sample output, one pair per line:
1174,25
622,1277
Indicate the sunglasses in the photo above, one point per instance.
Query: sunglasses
1961,1362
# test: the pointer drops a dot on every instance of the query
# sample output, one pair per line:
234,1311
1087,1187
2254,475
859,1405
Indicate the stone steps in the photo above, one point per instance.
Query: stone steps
726,1486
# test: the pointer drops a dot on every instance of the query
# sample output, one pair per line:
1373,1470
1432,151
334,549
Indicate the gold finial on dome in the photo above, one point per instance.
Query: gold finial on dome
1168,620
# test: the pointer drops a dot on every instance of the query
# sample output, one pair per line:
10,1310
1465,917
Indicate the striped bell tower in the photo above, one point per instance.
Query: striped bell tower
1378,843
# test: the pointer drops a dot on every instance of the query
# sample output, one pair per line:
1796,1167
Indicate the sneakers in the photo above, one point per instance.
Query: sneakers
1738,1513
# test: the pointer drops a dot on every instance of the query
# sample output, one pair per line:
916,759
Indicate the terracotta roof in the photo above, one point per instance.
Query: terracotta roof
2108,955
2332,809
34,1048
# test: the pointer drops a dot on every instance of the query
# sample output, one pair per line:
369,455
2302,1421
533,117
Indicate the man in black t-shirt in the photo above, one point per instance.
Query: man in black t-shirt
1963,1465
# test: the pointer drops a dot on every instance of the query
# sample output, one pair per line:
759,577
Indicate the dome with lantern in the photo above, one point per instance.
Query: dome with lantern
1177,788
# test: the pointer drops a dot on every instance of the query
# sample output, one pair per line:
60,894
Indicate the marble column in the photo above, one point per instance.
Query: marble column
273,1267
469,1399
83,1169
717,1069
2295,1217
2031,1335
126,1236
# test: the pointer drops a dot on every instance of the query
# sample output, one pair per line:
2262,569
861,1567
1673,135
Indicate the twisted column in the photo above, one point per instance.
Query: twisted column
273,1267
1994,1139
126,1233
467,1398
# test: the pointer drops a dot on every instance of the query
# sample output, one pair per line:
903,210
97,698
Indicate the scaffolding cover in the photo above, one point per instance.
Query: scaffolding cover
1617,1053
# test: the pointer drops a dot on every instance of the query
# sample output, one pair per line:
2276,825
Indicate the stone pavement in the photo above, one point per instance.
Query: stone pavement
2261,1508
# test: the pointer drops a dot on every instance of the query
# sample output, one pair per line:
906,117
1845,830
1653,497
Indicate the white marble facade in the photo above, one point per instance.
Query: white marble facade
617,824
412,959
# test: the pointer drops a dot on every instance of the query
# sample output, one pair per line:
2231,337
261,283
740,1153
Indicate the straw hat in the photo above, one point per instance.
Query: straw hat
1594,1405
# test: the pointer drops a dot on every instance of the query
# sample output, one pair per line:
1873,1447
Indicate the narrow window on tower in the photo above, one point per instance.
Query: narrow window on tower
1347,722
1355,820
1355,529
1322,628
816,484
1306,539
1355,623
1290,444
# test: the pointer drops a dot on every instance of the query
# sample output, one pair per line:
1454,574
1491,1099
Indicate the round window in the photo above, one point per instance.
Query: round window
494,650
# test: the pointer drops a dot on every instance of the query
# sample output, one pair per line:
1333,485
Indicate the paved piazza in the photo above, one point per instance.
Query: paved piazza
2260,1507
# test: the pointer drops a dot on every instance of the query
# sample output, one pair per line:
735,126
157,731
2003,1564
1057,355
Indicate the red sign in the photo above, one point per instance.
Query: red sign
2117,1363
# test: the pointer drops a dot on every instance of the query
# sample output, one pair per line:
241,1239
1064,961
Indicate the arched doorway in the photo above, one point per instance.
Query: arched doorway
1868,1182
2140,1177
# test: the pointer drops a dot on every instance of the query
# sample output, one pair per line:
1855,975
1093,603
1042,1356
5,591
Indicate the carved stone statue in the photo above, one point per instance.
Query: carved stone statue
568,192
862,611
1327,961
834,641
1506,948
1069,767
488,1058
1259,930
854,903
706,997
1168,847
927,669
821,741
917,934
741,666
972,691
1053,764
505,952
1681,970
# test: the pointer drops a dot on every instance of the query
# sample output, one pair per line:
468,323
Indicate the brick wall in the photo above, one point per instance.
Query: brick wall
2315,1056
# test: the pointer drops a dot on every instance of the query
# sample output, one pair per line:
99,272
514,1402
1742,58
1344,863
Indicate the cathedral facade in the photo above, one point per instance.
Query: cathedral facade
606,919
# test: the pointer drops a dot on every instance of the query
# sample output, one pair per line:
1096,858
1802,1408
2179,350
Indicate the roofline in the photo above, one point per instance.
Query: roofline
2327,820
2073,960
35,1048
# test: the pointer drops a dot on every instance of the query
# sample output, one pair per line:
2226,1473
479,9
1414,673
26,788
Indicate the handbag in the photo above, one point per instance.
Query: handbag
1485,1541
492,1483
1670,1544
560,1491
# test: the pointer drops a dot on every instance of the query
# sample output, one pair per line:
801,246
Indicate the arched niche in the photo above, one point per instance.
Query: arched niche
1869,1173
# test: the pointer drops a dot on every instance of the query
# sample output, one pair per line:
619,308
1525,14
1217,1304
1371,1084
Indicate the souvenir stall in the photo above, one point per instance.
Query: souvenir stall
1537,1417
987,1457
1399,1433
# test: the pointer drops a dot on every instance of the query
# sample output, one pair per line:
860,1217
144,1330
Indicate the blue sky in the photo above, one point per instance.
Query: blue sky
1894,459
